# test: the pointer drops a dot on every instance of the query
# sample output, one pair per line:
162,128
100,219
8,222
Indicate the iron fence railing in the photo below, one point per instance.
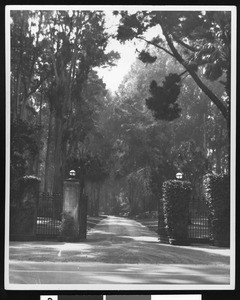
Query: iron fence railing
198,228
48,214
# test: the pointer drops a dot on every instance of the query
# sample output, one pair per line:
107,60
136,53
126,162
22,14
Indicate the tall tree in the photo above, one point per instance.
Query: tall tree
52,55
29,64
142,142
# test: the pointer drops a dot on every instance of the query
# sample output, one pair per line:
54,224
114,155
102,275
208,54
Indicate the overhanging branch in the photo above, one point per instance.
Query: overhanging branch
156,45
195,77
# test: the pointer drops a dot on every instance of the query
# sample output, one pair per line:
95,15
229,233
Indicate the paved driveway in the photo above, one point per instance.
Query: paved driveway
118,250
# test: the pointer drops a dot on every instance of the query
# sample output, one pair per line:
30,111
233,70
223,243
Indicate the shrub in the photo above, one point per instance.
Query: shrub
23,210
22,221
68,229
29,182
176,198
24,145
217,195
25,184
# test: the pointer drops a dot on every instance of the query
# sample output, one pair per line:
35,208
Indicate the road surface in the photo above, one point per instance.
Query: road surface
117,251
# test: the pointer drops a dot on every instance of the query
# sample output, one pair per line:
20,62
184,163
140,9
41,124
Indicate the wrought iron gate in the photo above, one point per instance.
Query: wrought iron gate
48,215
198,228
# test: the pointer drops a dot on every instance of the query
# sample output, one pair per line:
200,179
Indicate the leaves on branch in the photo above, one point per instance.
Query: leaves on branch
146,57
213,71
157,40
162,103
131,26
125,33
193,66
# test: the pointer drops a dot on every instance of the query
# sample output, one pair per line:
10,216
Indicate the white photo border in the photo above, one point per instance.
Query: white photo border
123,287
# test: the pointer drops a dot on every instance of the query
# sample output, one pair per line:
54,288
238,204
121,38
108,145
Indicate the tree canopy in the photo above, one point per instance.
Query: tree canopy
198,41
168,114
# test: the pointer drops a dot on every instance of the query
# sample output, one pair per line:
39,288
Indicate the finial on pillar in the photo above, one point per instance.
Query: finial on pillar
72,174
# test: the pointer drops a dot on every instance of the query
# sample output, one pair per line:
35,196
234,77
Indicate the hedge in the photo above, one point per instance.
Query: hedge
176,198
23,211
217,195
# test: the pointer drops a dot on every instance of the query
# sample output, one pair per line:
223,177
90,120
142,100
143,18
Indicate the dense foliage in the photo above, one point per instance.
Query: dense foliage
176,198
53,86
24,147
198,41
163,100
122,145
23,213
217,195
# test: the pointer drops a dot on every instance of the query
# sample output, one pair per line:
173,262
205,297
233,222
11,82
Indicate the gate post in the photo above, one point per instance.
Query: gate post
71,193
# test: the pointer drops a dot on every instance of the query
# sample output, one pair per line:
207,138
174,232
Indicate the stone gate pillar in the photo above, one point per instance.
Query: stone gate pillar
71,194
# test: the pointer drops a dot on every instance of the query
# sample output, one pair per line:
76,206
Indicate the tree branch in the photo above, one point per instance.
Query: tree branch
189,47
38,85
195,77
156,45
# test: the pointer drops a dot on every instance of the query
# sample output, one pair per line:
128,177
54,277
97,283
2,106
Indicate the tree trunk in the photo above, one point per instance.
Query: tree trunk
132,202
218,154
144,203
96,204
218,150
204,136
23,112
58,176
47,160
19,75
37,157
18,95
90,209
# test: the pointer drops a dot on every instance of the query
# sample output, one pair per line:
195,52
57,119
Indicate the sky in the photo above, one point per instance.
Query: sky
113,76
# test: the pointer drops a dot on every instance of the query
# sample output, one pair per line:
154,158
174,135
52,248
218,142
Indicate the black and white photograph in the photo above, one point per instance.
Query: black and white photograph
120,147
